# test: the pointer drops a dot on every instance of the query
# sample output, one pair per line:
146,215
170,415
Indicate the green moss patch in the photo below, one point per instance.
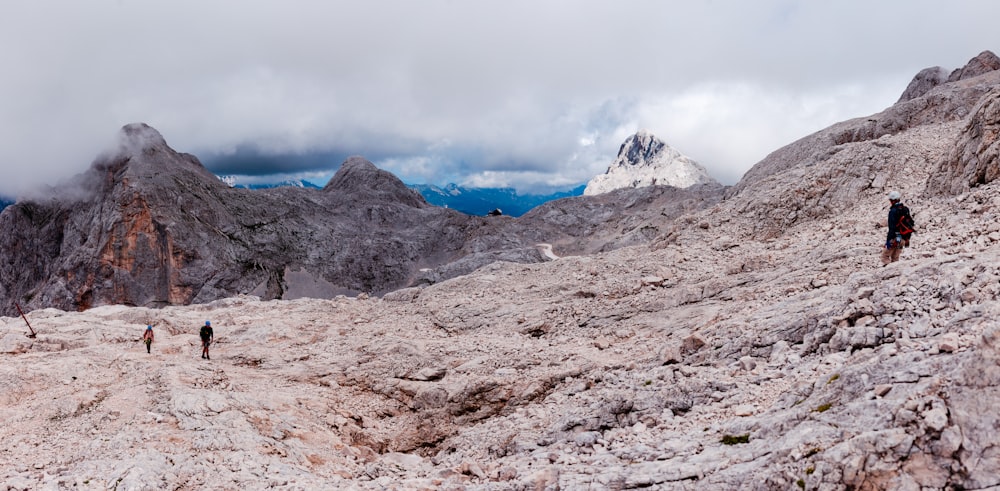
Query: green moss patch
735,439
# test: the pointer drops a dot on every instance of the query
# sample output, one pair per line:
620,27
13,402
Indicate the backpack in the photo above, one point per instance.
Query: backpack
906,224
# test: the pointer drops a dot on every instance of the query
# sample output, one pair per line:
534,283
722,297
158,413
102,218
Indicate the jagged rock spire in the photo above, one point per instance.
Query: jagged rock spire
645,160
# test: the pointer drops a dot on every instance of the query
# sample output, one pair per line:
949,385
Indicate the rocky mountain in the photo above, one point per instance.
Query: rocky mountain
481,201
755,342
645,160
149,226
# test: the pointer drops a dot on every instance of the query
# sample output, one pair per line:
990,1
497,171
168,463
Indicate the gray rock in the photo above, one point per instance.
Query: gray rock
923,82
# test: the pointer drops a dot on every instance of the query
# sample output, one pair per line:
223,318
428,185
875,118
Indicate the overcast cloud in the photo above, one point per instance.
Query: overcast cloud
523,93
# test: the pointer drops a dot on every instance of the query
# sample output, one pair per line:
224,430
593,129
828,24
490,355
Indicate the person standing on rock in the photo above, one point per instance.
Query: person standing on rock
147,337
900,227
206,339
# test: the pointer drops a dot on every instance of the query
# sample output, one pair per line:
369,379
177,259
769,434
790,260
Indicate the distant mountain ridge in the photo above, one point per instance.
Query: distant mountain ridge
645,160
480,201
294,183
468,200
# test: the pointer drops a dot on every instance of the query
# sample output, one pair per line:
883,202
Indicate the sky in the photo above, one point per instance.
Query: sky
531,94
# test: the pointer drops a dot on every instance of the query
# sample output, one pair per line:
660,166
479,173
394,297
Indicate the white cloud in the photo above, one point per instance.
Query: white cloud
729,127
514,90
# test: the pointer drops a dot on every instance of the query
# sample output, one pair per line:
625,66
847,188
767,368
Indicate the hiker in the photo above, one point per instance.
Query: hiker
900,227
147,337
206,339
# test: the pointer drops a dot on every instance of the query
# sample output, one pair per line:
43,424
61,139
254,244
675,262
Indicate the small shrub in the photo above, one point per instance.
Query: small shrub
735,439
801,483
823,407
810,470
813,452
833,378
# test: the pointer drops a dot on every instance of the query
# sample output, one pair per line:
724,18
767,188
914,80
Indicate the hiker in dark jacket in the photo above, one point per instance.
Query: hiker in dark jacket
898,235
147,337
206,339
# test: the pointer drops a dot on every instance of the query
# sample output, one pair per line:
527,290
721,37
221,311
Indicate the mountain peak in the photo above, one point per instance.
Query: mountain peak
357,176
645,160
984,62
142,151
136,138
928,78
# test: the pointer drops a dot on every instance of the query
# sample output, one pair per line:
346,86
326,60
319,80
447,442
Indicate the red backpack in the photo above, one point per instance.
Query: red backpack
905,225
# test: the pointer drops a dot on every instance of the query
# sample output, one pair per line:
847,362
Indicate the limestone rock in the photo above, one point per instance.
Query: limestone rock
985,62
923,82
645,160
975,160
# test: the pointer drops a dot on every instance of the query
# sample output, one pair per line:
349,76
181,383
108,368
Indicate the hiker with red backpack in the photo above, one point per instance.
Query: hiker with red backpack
900,228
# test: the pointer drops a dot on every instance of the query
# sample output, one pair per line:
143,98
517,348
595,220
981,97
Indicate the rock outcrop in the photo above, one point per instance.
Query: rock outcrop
645,160
923,82
985,62
975,158
929,78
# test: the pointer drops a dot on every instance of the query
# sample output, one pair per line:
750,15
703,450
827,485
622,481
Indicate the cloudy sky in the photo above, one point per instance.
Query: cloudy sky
530,93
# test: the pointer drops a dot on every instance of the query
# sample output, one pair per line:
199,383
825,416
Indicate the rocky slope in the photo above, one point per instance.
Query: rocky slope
726,354
645,160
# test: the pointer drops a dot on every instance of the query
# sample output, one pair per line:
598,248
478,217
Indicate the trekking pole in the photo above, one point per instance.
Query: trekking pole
25,320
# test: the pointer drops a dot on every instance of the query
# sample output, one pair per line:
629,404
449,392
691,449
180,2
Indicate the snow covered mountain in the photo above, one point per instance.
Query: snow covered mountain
645,160
233,182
